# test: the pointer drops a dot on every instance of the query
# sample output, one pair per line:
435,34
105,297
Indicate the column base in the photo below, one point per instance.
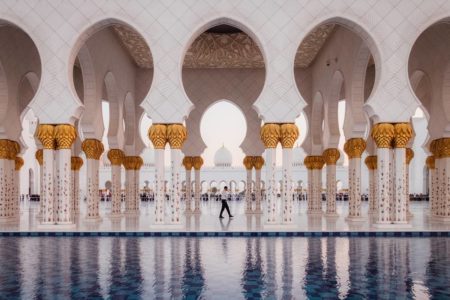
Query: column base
197,212
167,227
331,215
440,219
278,226
391,225
55,226
131,213
115,215
188,212
93,219
257,212
8,220
315,212
65,226
354,219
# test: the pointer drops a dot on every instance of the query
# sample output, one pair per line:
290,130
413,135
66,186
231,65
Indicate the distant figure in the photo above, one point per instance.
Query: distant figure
224,198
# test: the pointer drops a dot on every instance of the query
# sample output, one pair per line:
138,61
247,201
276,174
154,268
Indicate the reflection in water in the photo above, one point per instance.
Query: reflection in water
193,268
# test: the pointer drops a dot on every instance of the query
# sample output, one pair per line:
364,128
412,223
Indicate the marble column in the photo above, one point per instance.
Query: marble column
129,163
188,164
330,157
46,135
18,164
437,178
409,157
403,132
248,164
176,135
258,163
371,163
383,135
314,164
93,149
76,164
65,135
197,163
432,185
443,146
354,148
7,154
116,157
139,162
158,136
270,135
39,155
288,135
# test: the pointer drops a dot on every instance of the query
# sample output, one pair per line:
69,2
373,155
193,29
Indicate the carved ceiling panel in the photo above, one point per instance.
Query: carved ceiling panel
214,50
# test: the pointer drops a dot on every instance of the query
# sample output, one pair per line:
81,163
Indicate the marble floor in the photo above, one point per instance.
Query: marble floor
208,221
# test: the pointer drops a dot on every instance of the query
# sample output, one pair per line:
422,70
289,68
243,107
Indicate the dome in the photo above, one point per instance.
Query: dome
148,156
223,157
298,155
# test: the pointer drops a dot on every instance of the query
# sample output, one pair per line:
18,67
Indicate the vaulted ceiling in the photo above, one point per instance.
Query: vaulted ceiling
223,48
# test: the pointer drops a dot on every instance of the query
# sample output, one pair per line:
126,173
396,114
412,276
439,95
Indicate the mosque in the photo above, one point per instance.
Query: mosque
171,61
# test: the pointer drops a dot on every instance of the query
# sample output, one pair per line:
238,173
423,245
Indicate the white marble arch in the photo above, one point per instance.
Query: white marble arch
313,141
336,93
116,130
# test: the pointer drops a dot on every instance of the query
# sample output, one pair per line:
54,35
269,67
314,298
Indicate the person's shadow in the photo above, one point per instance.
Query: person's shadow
223,226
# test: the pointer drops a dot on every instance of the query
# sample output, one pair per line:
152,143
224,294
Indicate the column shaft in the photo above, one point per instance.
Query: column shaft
64,213
271,196
116,199
4,188
188,191
47,195
287,185
197,191
176,158
248,192
130,193
384,191
258,191
310,192
401,197
159,186
93,198
445,200
317,190
354,179
137,194
372,191
331,190
75,192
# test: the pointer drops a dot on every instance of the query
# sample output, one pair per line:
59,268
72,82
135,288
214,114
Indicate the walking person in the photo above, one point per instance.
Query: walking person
224,197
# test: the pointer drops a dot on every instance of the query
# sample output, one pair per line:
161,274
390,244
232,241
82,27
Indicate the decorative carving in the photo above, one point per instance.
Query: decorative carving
46,135
314,162
248,162
116,156
158,135
176,135
355,147
258,162
443,147
312,44
403,132
138,163
188,162
270,134
383,134
430,162
129,162
434,149
331,156
15,149
135,44
18,163
5,149
76,163
197,162
40,156
371,162
409,155
65,135
288,135
93,148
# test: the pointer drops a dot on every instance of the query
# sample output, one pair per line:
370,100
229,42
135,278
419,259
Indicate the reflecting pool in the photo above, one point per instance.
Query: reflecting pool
224,268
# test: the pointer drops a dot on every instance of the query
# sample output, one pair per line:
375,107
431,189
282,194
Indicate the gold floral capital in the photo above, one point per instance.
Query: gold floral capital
383,134
314,162
46,135
158,135
288,135
76,163
434,148
39,155
197,162
270,134
65,135
176,135
18,163
443,147
248,162
355,147
371,162
403,132
6,149
331,156
258,162
430,162
93,148
116,156
138,163
188,162
409,155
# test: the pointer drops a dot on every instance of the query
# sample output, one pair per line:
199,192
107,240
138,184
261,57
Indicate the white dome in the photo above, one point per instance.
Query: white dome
148,156
223,157
298,156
